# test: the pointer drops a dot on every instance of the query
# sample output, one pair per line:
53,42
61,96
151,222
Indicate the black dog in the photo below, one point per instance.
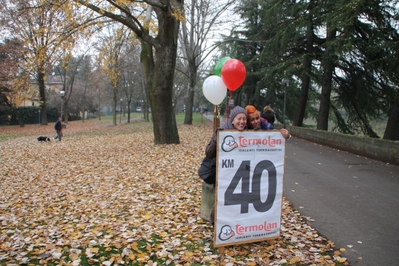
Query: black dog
42,138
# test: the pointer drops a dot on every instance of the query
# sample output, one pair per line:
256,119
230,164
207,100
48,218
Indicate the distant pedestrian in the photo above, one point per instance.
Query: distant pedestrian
58,129
268,114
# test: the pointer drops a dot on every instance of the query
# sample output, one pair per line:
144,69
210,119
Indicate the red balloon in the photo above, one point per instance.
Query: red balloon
233,74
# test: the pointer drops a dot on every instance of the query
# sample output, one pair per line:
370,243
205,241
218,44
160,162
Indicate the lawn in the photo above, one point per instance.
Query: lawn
106,195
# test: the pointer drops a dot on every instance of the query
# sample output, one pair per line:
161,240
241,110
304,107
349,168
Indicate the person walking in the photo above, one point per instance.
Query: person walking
58,129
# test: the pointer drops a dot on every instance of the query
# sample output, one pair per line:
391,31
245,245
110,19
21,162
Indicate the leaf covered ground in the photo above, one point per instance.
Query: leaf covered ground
106,195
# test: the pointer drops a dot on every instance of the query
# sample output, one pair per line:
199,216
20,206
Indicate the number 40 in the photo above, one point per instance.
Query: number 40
254,196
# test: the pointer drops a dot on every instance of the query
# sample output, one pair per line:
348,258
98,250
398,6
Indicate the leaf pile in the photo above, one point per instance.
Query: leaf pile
108,196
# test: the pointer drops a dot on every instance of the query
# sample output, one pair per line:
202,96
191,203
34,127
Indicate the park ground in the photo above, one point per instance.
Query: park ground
106,195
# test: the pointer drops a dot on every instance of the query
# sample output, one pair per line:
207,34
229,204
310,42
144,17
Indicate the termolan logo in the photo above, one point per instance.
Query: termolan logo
226,233
229,143
265,226
269,141
243,232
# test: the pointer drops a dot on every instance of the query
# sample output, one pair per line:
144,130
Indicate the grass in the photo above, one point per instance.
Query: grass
15,131
197,118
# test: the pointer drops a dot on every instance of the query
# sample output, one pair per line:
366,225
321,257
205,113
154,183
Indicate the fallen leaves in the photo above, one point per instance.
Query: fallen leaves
108,196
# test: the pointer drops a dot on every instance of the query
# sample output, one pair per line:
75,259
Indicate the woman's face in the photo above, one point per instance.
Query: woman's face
254,120
240,121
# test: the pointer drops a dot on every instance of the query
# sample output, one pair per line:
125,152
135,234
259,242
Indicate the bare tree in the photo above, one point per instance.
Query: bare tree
111,49
132,80
203,17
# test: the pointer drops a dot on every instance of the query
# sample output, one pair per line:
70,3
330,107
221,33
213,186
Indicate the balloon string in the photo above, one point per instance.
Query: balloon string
227,111
228,106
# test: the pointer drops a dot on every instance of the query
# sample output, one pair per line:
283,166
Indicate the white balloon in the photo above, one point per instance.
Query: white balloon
214,89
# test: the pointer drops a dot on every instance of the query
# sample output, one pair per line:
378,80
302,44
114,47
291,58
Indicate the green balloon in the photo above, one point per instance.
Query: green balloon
219,65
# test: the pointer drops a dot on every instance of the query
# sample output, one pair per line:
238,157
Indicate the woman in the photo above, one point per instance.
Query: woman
268,114
237,120
255,122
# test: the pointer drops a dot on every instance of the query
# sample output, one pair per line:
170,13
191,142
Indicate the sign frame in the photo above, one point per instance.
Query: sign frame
249,186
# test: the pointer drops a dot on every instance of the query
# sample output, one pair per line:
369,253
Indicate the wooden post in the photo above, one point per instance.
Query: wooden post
207,201
216,120
208,191
221,254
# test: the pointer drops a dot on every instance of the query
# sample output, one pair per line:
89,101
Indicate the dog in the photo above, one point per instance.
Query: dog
43,138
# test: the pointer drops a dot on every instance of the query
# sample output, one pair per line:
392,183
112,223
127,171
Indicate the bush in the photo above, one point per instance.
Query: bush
25,115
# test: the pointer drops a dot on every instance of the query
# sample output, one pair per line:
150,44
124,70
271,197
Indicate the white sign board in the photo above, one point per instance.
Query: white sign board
249,186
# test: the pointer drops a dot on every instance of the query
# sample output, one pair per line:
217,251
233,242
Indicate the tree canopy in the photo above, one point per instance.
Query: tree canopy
333,60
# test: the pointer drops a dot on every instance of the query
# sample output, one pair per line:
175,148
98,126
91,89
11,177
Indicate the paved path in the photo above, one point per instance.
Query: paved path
353,200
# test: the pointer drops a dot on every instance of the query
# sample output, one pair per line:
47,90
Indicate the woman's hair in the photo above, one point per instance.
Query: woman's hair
267,108
250,109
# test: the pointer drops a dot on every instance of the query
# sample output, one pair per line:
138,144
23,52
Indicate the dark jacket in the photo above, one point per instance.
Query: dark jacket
57,125
210,150
269,116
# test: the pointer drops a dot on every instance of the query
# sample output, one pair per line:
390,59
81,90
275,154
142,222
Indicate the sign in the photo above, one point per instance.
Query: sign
249,186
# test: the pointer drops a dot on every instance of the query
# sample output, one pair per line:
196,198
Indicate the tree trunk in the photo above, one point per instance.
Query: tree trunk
128,110
159,80
42,104
328,68
303,98
324,109
188,118
392,129
147,60
115,106
161,93
66,113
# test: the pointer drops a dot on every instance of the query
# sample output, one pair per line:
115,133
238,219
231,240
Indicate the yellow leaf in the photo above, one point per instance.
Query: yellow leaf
74,256
135,247
94,250
131,256
142,257
295,260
